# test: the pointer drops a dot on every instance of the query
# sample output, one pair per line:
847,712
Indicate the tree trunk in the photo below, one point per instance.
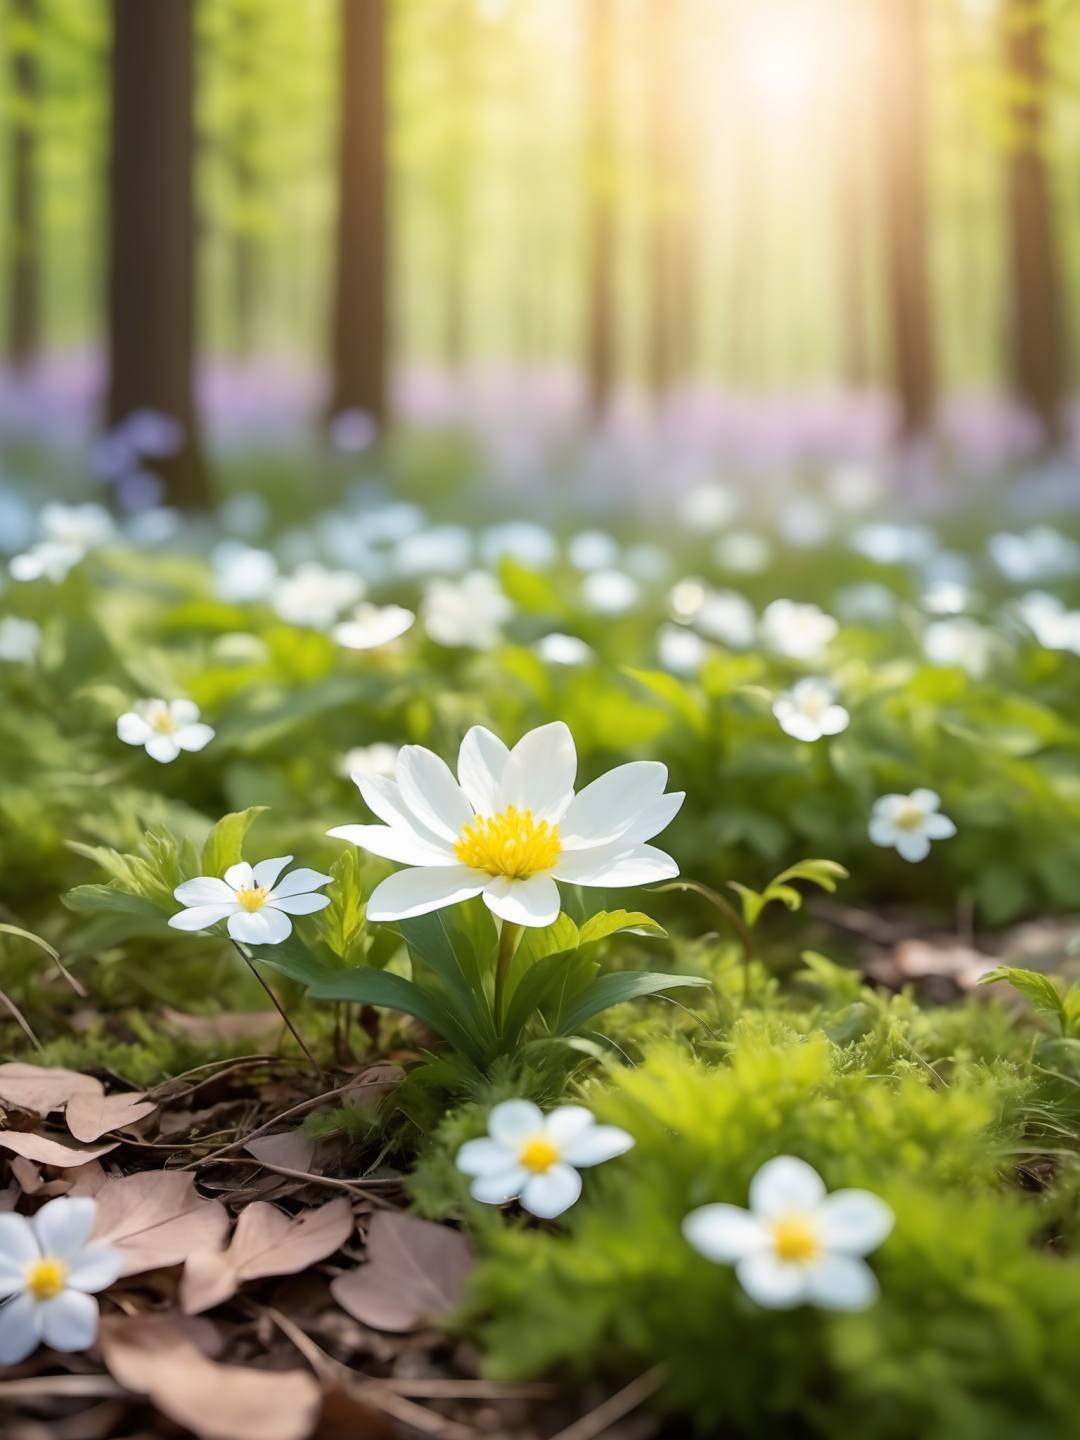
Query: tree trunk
152,231
900,84
1037,301
660,362
600,298
360,321
24,280
848,136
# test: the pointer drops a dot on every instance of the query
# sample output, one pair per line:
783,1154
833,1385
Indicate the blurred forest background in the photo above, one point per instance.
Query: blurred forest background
850,217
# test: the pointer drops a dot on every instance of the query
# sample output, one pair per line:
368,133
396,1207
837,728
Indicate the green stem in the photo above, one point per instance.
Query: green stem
508,943
250,963
731,915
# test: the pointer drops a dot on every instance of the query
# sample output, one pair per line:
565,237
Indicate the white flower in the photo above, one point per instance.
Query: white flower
727,616
610,592
796,1244
809,710
647,562
743,552
510,826
707,507
800,632
686,598
1040,554
854,486
163,728
315,596
371,626
469,611
442,549
20,640
368,760
888,544
909,822
559,649
1054,627
47,559
805,521
593,550
256,906
48,1275
961,642
242,572
536,1157
680,651
85,527
947,597
528,544
868,602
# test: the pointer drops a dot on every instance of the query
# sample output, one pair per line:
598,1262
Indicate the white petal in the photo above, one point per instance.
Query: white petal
18,1248
240,876
513,1121
785,1185
266,872
854,1221
549,1194
481,762
64,1225
19,1334
133,729
566,1123
194,737
95,1268
205,890
416,892
184,712
539,775
298,904
835,720
201,917
402,846
260,927
615,865
533,902
913,847
938,827
882,831
604,810
383,798
927,800
654,818
724,1233
597,1144
773,1283
299,882
498,1188
431,792
70,1322
841,1282
484,1157
162,748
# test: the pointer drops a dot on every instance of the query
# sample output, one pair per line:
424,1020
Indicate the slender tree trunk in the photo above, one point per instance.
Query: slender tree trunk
850,123
24,280
601,277
900,71
1037,301
246,265
361,321
151,279
659,358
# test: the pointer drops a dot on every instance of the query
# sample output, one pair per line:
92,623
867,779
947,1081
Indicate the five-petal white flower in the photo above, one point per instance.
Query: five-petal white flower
796,1244
809,710
163,728
534,1157
250,897
909,822
510,826
49,1273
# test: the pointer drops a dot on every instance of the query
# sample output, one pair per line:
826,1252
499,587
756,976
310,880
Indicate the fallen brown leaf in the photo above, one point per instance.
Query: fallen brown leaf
416,1274
47,1151
265,1242
150,1355
91,1116
234,1025
291,1148
157,1218
38,1088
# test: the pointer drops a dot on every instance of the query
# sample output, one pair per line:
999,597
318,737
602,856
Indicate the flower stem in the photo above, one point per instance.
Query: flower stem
508,943
731,915
250,963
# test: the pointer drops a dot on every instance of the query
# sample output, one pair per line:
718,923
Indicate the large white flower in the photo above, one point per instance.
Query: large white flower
371,626
163,728
534,1157
908,823
49,1273
796,1244
256,906
510,826
809,710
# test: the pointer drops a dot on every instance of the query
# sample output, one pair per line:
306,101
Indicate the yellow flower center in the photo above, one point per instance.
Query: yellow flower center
509,844
795,1240
161,720
538,1154
45,1278
253,898
909,816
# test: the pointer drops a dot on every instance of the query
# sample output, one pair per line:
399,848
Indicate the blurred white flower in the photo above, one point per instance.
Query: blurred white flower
593,550
155,526
647,562
247,513
686,598
366,761
796,1244
315,596
469,611
16,521
440,550
250,897
727,616
709,506
679,650
1054,626
801,632
521,540
20,640
242,572
947,597
559,649
371,626
743,552
867,603
809,710
610,592
388,523
805,522
534,1157
69,533
961,642
1039,554
888,544
854,486
908,823
163,728
49,1273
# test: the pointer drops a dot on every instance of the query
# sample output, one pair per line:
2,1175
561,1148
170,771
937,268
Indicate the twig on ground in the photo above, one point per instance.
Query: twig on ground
299,1109
615,1407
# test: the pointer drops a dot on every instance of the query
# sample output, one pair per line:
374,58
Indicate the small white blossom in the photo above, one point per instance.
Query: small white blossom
242,572
610,592
961,642
521,540
49,1273
727,616
742,552
69,533
805,522
366,761
680,651
371,626
1041,553
647,562
686,598
20,640
593,550
868,603
315,596
1054,626
888,544
163,728
908,823
470,611
947,597
709,506
796,1244
801,632
253,901
440,550
534,1157
854,486
559,649
809,710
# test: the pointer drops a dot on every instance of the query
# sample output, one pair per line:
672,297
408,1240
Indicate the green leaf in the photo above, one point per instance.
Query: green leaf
674,694
342,924
611,922
224,845
608,990
532,593
110,900
458,946
1040,989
